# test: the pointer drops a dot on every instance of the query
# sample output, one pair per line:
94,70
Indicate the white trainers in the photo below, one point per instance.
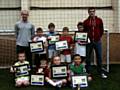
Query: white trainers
103,75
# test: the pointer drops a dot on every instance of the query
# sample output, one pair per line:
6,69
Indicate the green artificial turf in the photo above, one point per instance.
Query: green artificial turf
111,83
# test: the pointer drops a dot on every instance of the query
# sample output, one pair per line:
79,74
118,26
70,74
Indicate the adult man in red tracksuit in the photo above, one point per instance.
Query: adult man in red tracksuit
94,27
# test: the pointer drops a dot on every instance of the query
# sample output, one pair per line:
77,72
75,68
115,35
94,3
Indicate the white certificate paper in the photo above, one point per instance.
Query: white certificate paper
37,46
61,45
24,69
59,71
80,80
37,79
81,36
54,38
80,49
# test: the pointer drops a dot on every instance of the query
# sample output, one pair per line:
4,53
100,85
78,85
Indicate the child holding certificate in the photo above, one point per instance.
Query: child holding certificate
77,67
80,46
51,47
66,54
21,69
40,37
43,68
56,82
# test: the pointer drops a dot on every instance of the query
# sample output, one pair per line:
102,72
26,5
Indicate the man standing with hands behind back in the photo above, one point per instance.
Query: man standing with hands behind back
24,31
94,27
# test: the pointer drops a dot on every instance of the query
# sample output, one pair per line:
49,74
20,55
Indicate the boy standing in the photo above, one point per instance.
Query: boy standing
40,37
80,46
51,47
66,54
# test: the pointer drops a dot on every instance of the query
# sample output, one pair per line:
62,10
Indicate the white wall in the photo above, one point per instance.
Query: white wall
70,3
68,18
9,3
8,19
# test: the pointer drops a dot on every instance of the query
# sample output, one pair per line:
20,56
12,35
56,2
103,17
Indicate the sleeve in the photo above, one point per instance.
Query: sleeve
84,69
101,28
47,72
71,67
11,69
28,65
72,42
34,38
85,26
16,30
46,42
71,70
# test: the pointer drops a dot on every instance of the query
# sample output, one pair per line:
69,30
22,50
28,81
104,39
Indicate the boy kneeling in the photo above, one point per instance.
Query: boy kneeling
21,69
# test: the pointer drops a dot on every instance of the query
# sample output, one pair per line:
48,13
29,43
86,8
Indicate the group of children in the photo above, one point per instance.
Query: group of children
75,66
50,49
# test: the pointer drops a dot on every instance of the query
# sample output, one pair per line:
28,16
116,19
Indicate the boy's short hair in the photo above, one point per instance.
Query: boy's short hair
80,24
51,25
65,29
20,52
75,55
39,29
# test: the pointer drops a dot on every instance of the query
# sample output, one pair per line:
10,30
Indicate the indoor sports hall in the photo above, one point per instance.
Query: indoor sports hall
63,13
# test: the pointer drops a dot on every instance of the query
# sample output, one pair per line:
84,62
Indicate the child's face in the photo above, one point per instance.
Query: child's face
39,33
43,63
51,29
56,60
21,57
77,60
65,32
80,28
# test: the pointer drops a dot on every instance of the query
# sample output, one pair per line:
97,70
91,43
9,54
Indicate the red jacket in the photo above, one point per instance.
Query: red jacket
94,27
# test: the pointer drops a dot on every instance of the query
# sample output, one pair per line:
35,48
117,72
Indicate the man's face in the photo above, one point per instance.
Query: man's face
24,15
91,12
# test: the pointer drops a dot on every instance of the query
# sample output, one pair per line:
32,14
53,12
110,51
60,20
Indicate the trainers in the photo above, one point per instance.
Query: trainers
103,75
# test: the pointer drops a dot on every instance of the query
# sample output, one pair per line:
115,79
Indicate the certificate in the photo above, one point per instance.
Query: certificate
59,71
82,36
80,80
53,39
37,80
21,70
81,50
61,45
36,46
